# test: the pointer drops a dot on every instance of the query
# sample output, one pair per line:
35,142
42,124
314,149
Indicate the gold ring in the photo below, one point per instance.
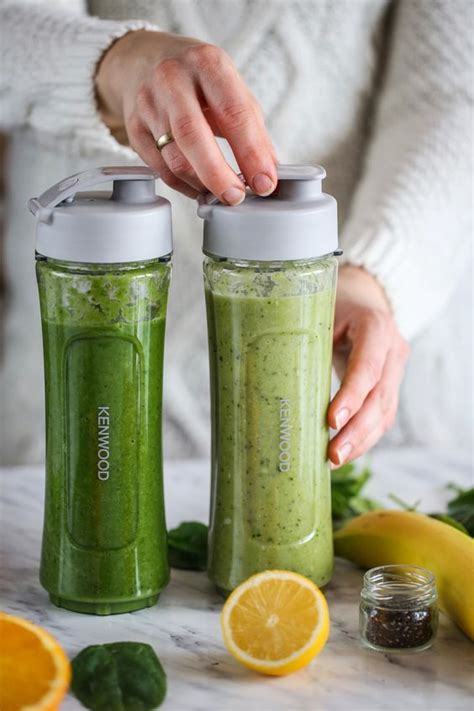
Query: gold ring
163,140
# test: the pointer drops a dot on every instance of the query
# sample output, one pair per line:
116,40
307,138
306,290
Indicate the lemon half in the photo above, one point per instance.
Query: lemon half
275,622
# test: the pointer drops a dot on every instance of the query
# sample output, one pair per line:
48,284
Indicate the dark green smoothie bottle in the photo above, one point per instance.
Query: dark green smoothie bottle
103,269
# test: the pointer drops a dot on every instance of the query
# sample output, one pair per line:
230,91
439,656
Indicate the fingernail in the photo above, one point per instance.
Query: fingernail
341,417
263,184
343,452
233,196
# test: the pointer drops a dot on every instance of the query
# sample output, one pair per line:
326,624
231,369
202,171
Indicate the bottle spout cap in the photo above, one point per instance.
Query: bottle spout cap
135,191
299,182
205,203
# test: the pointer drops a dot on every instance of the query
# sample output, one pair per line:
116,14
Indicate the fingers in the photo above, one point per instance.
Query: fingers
179,165
195,139
239,119
377,413
193,92
143,142
371,339
198,151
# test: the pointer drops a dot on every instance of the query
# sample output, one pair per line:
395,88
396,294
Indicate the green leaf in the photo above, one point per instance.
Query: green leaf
450,521
122,676
461,508
455,487
403,504
339,504
360,505
346,486
187,546
342,473
360,481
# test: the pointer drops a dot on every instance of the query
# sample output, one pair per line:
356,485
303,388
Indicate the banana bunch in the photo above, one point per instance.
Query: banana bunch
389,537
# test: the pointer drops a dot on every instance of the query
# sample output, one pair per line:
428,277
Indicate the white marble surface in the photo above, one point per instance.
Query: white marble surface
184,627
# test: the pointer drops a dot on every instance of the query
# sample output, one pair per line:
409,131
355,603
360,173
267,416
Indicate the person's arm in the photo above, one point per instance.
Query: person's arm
409,223
406,241
49,52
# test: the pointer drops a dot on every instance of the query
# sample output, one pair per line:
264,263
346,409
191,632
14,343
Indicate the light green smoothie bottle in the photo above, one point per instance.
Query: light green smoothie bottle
270,280
103,269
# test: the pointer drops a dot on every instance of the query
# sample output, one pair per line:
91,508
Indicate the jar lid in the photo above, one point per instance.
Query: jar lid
131,224
297,221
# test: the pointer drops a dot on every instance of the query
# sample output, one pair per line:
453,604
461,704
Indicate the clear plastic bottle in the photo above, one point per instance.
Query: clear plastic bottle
270,304
104,538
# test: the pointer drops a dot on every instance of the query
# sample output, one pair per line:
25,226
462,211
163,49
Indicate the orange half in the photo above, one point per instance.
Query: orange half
34,669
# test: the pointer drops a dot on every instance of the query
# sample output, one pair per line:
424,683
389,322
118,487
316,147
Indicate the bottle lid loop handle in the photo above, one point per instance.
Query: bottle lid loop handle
88,179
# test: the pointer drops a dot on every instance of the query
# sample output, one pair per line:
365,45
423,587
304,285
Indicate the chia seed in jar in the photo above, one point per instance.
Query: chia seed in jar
398,609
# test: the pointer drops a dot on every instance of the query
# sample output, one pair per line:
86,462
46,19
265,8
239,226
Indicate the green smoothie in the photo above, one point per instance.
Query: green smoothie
270,338
104,539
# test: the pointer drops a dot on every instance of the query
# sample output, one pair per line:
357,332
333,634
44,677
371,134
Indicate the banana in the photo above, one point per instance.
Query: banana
386,537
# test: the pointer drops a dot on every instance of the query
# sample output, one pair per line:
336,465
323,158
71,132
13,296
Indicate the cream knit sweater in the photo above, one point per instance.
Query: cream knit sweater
377,91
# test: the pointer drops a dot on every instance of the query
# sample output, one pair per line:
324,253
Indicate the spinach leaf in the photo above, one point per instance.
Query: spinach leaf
361,504
342,473
346,486
461,508
122,676
187,546
450,521
404,505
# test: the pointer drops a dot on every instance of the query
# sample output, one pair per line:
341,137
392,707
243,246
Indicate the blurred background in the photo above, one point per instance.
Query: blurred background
342,83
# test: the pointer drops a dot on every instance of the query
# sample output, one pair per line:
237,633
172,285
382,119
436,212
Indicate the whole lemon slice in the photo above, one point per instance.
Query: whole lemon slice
275,622
34,669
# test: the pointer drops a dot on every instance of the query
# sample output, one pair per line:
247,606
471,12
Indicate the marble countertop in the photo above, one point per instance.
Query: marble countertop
184,627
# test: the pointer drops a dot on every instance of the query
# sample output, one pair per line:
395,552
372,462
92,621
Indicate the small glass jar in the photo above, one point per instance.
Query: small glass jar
398,609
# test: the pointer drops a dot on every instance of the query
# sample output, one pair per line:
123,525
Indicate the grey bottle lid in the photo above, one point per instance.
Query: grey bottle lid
298,221
132,224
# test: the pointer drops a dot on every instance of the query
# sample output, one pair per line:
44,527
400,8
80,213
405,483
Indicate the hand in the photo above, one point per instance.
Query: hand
370,356
154,82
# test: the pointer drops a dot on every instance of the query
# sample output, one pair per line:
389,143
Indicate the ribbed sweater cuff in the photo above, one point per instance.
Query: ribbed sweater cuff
71,82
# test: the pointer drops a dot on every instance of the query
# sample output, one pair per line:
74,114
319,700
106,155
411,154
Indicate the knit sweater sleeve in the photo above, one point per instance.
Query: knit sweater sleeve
49,52
409,223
